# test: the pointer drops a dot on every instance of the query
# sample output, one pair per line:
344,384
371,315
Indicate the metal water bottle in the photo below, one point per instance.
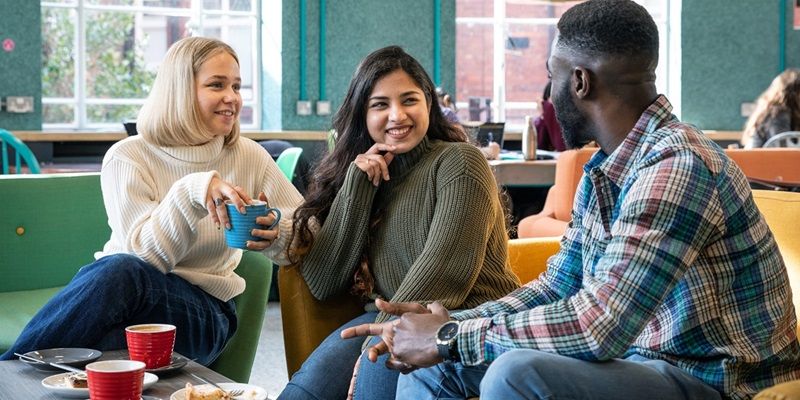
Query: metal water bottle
529,139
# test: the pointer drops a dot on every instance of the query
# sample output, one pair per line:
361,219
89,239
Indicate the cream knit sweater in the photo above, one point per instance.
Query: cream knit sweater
155,200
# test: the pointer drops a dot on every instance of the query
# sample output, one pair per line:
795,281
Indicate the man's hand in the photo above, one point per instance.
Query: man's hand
384,330
414,340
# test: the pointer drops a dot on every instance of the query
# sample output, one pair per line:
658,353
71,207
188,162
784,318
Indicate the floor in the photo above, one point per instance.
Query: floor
269,368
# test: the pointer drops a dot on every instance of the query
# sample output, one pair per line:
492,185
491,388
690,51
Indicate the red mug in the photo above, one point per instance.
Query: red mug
115,379
151,344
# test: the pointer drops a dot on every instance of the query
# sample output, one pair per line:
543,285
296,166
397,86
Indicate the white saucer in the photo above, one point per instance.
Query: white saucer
251,392
58,384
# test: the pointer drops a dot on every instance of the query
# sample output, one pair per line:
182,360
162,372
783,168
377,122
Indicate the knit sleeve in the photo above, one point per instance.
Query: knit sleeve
456,246
281,194
329,265
161,233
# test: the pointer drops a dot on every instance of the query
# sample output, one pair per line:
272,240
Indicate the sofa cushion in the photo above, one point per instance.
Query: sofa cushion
16,309
56,225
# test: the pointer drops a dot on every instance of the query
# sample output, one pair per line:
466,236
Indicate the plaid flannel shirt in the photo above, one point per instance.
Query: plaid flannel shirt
666,257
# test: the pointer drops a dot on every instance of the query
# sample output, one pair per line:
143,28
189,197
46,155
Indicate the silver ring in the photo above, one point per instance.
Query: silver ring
218,201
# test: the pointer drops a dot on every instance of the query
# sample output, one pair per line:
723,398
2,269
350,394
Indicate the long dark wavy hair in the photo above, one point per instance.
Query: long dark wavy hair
352,137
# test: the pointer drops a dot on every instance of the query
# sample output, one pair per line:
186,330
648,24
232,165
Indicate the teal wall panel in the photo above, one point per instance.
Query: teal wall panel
730,54
354,29
792,38
21,68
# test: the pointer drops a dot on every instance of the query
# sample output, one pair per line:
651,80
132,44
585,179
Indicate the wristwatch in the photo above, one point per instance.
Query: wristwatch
446,341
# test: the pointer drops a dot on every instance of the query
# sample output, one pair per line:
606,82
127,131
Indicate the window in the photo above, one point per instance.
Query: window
100,56
501,50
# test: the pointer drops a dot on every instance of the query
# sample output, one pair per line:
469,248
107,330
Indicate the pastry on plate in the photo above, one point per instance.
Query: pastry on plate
77,380
205,393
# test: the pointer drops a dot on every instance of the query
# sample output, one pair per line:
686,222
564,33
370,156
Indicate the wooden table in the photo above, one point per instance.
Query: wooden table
22,381
519,173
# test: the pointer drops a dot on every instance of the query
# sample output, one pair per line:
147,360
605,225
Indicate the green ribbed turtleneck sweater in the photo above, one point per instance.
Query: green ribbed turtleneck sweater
442,236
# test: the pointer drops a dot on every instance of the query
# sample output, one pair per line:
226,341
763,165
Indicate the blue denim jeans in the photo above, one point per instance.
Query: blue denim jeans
121,290
327,372
533,374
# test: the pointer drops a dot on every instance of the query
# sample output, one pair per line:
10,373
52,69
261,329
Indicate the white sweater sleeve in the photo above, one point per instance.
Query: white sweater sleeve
160,233
282,195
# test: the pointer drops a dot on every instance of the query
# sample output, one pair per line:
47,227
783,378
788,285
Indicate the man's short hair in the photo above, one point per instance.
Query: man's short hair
609,27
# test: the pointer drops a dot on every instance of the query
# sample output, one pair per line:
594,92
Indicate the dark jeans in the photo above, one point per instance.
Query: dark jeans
121,290
327,372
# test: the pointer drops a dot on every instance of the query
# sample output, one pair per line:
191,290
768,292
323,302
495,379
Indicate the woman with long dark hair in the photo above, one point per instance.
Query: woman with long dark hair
777,110
402,209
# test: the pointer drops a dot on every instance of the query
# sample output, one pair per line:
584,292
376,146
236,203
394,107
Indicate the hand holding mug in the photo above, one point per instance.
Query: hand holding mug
267,236
220,191
256,228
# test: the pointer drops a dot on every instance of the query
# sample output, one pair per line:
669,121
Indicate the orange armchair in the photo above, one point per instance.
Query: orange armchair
769,165
557,210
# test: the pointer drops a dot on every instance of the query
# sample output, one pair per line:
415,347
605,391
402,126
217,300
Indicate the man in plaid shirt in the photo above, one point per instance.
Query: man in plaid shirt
668,284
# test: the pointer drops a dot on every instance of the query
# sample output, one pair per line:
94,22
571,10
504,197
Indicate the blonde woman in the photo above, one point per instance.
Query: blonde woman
777,110
164,193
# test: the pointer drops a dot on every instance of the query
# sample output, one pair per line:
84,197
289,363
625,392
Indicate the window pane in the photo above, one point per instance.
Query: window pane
111,113
527,50
58,49
516,116
58,114
160,32
474,73
114,63
168,3
474,8
246,116
238,33
517,9
241,5
111,2
212,4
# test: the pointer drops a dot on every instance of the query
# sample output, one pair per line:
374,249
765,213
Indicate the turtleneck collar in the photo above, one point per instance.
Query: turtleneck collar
202,153
403,163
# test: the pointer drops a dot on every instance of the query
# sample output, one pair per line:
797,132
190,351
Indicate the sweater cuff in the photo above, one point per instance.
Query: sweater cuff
358,185
198,186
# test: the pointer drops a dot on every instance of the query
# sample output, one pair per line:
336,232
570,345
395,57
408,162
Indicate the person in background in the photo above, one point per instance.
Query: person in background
447,105
164,192
777,110
668,283
547,129
401,209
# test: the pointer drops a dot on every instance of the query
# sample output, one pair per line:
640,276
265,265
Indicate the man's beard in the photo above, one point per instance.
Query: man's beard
574,125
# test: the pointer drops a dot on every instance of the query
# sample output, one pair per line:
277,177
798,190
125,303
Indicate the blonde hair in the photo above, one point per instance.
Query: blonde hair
784,92
170,116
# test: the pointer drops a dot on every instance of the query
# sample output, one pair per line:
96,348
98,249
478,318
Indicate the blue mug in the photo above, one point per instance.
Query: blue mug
243,224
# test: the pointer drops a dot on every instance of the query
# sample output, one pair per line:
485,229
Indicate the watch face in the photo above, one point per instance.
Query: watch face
448,330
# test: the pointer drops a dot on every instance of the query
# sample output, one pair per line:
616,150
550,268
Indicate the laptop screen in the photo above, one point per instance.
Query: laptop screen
491,132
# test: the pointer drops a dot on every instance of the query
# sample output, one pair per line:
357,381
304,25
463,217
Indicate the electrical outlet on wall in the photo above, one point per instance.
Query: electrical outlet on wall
303,107
747,109
323,107
19,104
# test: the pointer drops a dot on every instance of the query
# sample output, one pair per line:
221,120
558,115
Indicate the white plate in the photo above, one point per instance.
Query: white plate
58,384
251,392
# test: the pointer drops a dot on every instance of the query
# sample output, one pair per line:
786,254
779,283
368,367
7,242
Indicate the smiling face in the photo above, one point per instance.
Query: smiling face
397,112
217,83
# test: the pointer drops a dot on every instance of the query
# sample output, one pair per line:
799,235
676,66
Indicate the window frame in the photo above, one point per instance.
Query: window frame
197,16
668,72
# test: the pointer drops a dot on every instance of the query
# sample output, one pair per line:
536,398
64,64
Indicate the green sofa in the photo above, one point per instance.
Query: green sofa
51,225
